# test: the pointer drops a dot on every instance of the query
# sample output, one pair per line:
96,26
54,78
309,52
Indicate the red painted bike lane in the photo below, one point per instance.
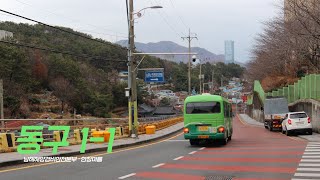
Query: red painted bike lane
254,153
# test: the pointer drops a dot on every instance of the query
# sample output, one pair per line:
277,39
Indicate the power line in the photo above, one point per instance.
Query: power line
60,29
50,12
180,18
170,26
58,52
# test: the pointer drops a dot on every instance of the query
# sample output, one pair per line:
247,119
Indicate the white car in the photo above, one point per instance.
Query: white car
296,122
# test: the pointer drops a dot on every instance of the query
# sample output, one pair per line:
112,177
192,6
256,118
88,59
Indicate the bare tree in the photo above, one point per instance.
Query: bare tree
63,89
289,43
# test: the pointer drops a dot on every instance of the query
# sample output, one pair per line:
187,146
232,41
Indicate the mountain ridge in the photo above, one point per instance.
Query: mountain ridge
171,47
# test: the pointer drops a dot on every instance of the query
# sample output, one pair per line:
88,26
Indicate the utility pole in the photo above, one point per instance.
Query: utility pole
132,101
200,78
189,38
212,82
1,104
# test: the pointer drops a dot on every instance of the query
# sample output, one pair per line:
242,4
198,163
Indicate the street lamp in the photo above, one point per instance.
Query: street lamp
151,7
132,72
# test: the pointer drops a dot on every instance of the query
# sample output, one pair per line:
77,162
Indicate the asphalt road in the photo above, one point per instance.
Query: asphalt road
253,153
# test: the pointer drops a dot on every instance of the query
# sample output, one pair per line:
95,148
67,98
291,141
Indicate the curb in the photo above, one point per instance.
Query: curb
16,162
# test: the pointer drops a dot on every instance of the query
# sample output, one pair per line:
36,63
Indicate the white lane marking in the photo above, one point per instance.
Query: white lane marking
177,140
158,165
312,153
310,160
201,148
314,143
178,158
312,150
310,145
192,152
307,174
309,169
126,176
310,157
309,164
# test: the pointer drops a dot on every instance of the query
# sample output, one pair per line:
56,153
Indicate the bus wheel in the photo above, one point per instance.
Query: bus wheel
224,141
194,142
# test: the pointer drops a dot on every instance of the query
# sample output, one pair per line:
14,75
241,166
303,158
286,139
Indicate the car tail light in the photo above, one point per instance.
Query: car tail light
309,120
221,129
289,121
186,130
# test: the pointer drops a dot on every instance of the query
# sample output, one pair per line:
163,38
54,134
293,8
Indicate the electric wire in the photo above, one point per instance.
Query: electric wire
58,51
57,28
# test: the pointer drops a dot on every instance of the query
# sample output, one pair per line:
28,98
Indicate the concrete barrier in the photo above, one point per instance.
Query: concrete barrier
77,136
7,142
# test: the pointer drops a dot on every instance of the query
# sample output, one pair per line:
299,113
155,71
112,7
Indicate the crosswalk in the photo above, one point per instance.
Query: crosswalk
309,166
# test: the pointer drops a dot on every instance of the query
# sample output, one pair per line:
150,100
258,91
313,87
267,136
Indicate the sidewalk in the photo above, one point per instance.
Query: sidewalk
250,121
16,158
315,137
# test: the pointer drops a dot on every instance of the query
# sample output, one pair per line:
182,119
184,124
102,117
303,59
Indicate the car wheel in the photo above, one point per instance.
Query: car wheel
288,133
194,142
270,128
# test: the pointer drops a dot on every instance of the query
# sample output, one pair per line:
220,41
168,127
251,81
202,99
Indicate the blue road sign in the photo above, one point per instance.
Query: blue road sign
154,76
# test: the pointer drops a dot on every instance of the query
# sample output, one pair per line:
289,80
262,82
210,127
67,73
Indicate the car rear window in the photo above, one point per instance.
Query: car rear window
298,115
203,108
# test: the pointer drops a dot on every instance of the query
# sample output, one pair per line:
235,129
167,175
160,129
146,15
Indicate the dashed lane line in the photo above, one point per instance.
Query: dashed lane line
192,152
178,158
158,165
126,176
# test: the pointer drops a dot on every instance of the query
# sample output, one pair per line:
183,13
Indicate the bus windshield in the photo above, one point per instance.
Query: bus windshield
203,108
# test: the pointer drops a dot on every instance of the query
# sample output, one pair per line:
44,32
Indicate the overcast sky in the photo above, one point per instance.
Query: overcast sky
212,20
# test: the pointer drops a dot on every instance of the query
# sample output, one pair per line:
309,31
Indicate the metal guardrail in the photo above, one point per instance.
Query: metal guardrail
105,122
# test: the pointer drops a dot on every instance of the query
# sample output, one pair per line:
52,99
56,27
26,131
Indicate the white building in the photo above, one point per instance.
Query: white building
229,52
5,34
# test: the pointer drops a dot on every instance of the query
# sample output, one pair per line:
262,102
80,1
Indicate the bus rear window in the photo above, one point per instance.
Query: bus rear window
203,108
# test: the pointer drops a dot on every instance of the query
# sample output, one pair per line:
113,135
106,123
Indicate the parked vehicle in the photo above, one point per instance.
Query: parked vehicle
296,122
275,109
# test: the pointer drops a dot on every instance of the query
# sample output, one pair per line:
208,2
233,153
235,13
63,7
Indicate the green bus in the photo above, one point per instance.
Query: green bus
207,117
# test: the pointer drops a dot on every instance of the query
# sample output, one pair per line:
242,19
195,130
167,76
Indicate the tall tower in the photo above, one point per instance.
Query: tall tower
229,52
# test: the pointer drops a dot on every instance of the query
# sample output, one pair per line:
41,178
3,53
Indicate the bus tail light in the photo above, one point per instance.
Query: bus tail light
221,129
289,121
186,130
